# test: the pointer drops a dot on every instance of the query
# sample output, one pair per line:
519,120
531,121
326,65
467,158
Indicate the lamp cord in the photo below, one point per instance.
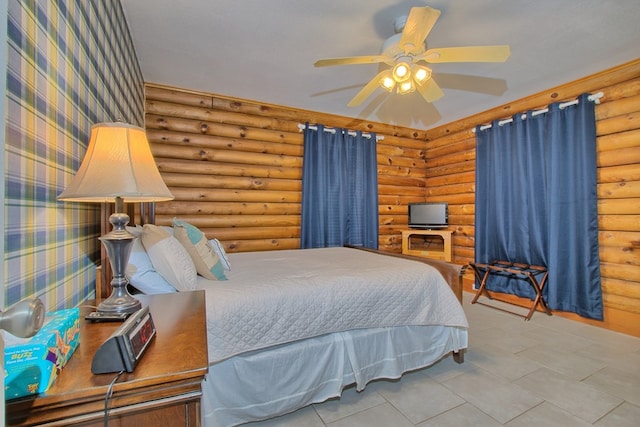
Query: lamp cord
107,398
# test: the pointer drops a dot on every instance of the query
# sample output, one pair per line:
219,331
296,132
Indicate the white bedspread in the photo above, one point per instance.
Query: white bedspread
277,297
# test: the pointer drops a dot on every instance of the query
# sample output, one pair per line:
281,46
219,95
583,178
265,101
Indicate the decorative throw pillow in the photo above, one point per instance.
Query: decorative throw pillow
169,257
206,260
141,273
219,249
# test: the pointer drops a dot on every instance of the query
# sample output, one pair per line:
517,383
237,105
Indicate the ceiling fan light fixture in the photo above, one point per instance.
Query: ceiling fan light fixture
406,87
387,83
401,59
420,74
401,72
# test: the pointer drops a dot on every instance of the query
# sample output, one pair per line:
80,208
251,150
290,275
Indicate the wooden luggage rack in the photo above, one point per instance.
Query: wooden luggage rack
529,272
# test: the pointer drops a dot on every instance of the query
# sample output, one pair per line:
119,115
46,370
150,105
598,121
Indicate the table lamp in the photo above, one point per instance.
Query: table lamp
118,167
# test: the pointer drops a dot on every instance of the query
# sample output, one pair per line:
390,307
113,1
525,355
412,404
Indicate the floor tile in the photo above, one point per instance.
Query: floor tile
508,339
462,416
579,399
420,400
500,362
568,363
547,414
613,356
383,415
448,368
351,402
617,382
493,395
625,415
305,417
558,339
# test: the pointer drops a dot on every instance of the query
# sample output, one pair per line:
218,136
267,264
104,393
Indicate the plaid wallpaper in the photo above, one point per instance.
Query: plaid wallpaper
70,64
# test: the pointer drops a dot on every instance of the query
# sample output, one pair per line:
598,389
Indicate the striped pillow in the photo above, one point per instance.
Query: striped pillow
206,260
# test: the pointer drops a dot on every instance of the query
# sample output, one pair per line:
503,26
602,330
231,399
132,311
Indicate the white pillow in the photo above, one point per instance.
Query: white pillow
169,257
135,230
141,273
219,249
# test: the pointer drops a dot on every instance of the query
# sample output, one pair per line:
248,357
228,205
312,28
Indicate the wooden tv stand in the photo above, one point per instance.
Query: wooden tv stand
444,251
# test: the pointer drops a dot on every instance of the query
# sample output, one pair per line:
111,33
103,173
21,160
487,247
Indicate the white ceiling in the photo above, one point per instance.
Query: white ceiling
264,50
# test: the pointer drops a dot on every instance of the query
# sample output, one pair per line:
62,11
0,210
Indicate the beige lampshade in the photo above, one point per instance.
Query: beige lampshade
118,163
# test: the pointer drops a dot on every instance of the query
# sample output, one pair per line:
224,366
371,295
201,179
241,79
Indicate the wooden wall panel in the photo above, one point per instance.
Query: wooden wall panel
235,167
450,153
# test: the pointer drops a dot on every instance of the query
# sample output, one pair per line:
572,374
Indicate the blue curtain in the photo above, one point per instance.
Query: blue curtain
339,189
536,203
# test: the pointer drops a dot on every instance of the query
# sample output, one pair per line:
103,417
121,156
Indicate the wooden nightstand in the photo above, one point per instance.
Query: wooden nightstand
165,388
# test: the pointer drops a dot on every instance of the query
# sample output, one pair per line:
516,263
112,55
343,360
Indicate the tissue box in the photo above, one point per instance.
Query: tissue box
31,365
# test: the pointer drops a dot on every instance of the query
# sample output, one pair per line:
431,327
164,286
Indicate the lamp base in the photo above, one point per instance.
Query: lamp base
118,245
119,303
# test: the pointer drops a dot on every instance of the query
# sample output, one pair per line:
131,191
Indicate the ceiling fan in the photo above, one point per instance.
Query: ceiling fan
405,52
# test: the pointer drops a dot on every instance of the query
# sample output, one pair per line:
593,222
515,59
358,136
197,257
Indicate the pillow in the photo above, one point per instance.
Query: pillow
169,257
206,260
136,230
219,250
141,273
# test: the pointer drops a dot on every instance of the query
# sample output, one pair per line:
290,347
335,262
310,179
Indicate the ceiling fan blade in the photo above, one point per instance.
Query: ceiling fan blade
430,90
419,24
367,90
466,54
373,59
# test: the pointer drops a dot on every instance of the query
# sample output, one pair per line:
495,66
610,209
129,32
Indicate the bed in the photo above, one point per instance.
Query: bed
290,328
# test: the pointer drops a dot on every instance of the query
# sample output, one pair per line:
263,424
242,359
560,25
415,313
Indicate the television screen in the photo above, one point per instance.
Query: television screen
428,215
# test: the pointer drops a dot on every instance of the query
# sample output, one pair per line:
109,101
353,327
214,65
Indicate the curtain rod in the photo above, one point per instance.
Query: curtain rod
332,130
594,98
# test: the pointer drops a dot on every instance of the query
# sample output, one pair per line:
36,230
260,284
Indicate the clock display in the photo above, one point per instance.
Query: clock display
141,335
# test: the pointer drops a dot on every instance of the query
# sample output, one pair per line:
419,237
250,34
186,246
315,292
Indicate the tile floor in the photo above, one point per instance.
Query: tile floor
549,371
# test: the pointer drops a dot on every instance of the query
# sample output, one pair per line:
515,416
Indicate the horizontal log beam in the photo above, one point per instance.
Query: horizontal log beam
229,208
619,222
215,221
619,255
230,182
621,156
619,190
616,141
629,206
167,137
228,195
224,156
261,245
628,240
251,233
191,167
624,173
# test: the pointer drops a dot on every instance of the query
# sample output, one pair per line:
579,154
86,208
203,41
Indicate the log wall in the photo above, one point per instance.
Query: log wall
235,167
450,151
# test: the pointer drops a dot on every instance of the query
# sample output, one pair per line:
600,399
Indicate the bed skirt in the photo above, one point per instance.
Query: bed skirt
263,384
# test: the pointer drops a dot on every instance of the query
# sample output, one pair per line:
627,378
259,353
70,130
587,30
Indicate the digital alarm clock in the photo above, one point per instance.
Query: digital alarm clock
125,347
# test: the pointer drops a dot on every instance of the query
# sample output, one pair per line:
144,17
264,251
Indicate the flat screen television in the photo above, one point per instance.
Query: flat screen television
429,215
